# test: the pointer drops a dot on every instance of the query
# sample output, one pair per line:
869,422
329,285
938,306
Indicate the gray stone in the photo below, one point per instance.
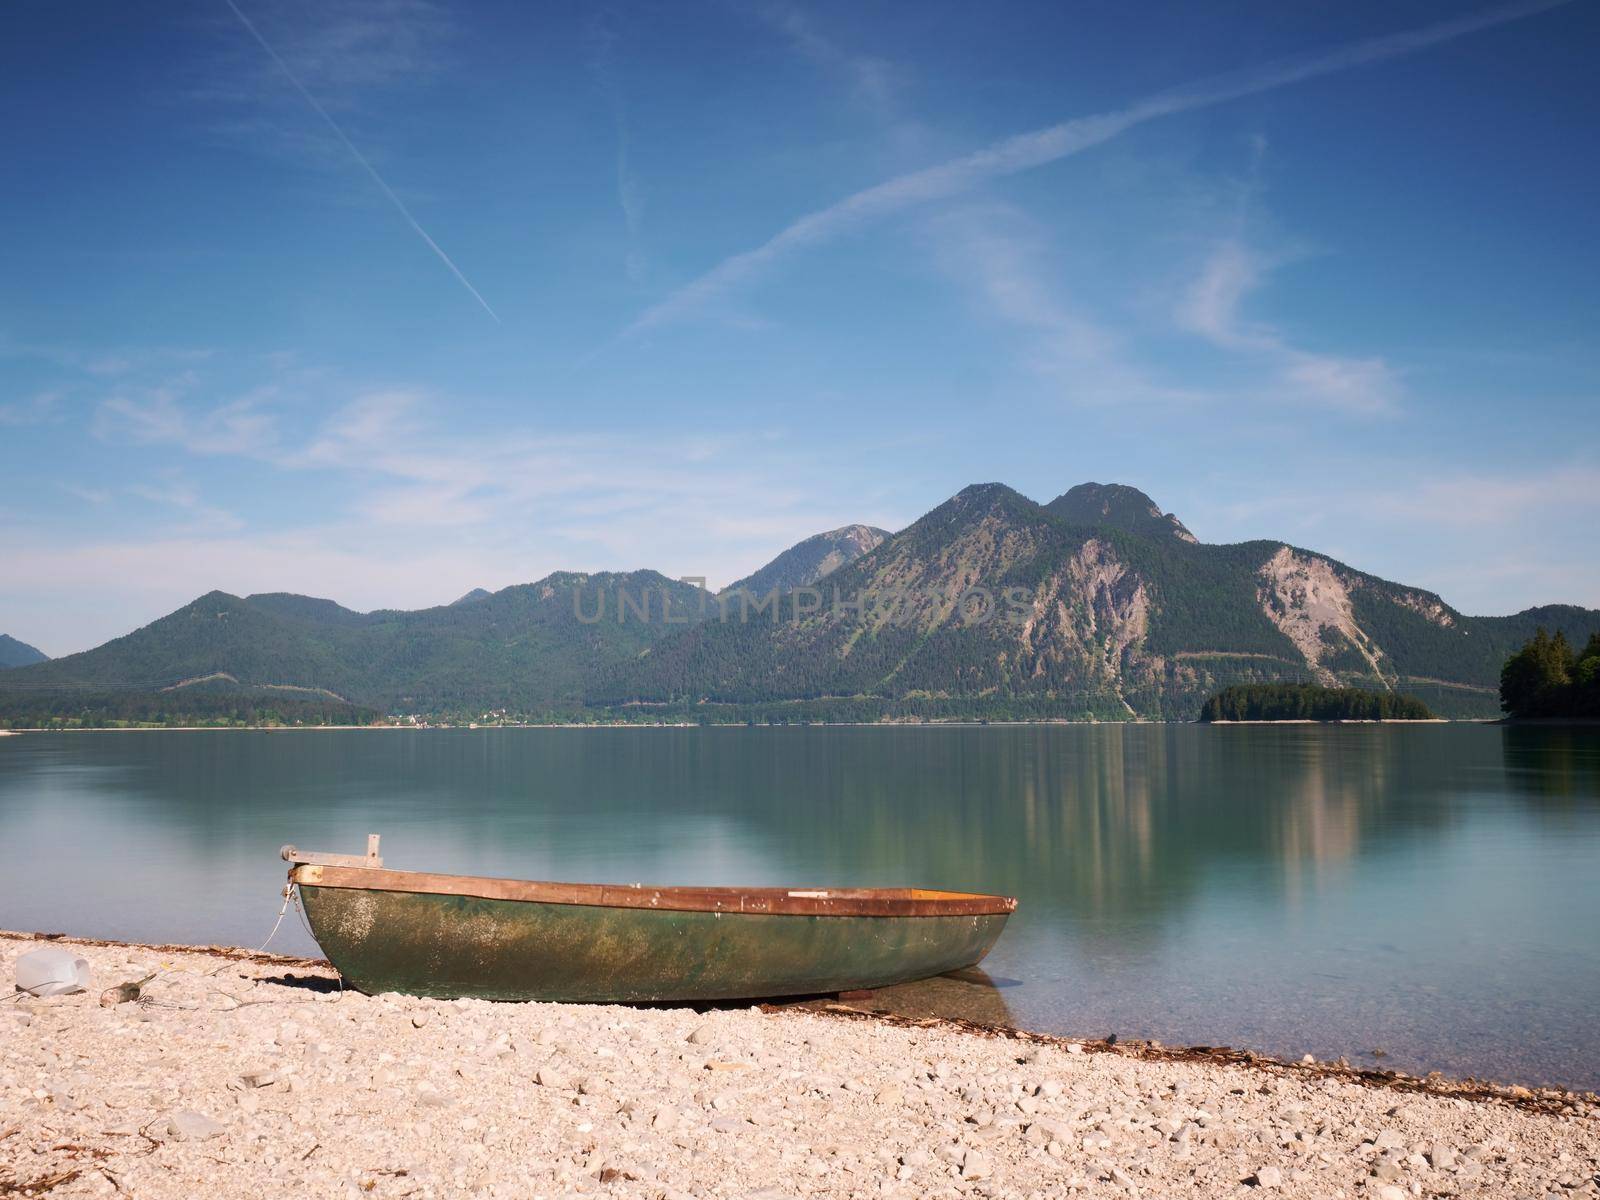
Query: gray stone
1053,1128
186,1125
1386,1168
1441,1156
975,1166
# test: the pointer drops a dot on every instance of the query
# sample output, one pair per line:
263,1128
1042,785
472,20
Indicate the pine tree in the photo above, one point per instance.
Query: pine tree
1537,680
1586,680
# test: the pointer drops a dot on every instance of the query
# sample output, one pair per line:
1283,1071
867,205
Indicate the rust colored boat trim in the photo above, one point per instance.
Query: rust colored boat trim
835,902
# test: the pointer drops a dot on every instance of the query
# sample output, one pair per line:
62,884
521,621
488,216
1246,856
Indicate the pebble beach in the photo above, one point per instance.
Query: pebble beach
252,1076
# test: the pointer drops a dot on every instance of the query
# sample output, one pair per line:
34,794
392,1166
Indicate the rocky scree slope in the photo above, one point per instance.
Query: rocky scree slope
1096,605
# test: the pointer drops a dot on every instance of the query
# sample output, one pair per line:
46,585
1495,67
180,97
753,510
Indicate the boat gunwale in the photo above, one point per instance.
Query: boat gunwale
757,901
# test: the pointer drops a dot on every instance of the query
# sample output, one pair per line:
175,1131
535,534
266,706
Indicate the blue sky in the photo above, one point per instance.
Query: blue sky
444,297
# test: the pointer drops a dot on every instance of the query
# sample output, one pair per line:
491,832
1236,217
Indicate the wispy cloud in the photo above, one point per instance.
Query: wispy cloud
1002,258
35,410
158,414
411,468
871,80
199,516
630,195
104,363
360,58
1437,501
345,51
1027,151
94,496
344,140
1211,309
1475,500
413,508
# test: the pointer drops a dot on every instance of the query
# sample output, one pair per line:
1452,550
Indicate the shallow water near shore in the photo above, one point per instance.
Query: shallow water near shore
1429,892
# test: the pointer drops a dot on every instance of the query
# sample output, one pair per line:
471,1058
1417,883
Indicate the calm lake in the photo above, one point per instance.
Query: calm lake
1430,892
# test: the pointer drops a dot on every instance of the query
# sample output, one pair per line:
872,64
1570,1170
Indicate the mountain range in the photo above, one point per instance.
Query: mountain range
1095,605
18,654
806,562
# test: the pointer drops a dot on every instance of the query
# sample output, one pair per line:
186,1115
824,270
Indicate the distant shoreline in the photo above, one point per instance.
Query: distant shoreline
1358,721
761,725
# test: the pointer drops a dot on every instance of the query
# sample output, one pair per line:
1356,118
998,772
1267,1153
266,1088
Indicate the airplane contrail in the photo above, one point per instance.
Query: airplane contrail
1028,150
360,158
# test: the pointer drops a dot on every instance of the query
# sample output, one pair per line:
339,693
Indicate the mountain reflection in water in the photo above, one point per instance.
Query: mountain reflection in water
1428,890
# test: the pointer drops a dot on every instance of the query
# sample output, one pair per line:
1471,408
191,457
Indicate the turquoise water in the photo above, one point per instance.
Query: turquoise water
1431,892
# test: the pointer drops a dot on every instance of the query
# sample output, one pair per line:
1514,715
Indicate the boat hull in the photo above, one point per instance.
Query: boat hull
452,945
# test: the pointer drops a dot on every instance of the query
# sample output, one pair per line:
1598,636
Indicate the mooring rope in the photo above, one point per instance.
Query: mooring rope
288,895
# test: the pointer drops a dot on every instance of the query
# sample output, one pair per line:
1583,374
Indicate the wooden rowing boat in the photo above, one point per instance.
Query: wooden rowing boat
509,939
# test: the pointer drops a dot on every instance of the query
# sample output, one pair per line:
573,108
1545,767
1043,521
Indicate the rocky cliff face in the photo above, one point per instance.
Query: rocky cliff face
1308,601
1090,617
1096,604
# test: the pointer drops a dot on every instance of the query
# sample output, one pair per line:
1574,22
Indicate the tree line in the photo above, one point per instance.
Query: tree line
1307,702
120,710
1547,678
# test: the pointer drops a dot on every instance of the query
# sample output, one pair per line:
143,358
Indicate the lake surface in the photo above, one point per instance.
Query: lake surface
1431,892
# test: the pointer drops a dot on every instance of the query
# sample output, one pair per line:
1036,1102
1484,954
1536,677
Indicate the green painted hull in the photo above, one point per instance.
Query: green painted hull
449,946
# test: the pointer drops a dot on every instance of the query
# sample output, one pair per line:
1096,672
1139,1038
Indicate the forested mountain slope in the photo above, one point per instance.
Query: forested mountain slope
991,605
1097,605
806,562
18,654
527,647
